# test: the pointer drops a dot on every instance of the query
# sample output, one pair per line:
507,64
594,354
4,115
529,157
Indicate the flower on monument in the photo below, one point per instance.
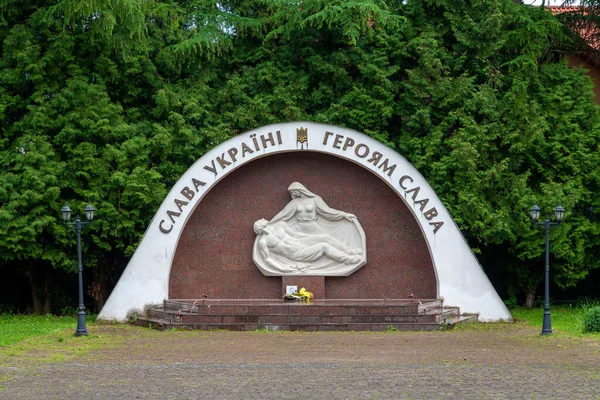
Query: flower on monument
300,295
305,294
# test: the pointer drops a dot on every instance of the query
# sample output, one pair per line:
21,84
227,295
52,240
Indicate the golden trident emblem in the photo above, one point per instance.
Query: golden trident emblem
302,136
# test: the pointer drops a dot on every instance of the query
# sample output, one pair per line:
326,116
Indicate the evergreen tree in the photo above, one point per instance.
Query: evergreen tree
109,102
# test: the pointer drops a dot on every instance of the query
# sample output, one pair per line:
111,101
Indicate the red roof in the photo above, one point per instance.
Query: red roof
586,30
562,9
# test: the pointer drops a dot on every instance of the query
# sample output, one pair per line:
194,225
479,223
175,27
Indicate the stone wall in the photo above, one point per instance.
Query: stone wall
214,255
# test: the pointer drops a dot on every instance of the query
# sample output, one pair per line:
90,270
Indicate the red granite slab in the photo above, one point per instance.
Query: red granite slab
214,255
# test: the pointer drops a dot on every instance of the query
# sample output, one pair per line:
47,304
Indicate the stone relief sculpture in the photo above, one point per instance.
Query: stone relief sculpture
308,237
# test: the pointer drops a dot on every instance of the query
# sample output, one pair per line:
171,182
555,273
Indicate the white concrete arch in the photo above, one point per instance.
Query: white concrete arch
461,280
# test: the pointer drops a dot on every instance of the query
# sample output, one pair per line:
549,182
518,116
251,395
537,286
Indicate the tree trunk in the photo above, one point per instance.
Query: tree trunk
99,286
529,299
48,285
37,304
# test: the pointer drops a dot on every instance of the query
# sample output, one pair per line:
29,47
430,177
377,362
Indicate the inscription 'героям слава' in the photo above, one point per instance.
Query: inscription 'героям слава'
381,162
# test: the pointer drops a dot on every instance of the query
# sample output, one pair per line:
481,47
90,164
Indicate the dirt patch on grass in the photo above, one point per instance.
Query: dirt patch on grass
485,344
481,344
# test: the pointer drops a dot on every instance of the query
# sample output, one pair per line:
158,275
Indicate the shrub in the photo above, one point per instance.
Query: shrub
511,302
591,319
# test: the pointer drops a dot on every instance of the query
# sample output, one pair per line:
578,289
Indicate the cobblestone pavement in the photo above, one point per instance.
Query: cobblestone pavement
295,381
504,364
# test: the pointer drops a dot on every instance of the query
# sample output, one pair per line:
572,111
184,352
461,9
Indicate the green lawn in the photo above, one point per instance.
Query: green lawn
564,318
14,328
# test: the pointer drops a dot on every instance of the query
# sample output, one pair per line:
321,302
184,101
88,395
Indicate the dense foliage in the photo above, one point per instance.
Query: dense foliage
108,102
591,319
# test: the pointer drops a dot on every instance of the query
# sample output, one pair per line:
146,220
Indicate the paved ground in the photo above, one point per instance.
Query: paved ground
502,362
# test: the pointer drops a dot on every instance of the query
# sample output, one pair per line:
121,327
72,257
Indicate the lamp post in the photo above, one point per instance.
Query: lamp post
559,214
66,215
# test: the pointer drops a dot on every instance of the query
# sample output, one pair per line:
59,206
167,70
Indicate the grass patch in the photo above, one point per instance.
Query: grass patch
46,338
15,328
565,318
58,344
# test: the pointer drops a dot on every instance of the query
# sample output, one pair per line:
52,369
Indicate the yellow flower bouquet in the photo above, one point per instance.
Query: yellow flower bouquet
300,295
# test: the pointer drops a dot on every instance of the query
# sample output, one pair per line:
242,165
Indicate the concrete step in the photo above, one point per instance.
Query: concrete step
267,306
287,318
330,314
308,327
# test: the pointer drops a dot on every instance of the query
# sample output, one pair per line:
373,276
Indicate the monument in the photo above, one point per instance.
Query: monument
303,202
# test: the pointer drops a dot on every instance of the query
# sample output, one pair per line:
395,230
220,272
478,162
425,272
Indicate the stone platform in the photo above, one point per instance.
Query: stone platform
317,315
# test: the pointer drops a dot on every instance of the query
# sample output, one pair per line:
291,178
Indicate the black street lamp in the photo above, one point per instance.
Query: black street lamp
559,214
66,215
